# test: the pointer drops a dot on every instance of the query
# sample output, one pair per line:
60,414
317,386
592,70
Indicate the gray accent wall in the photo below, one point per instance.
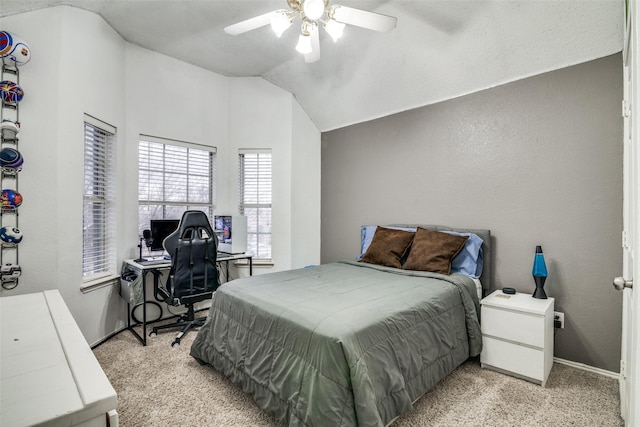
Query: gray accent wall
538,161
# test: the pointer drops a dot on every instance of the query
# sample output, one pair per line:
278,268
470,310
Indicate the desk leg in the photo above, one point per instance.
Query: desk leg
250,266
143,338
144,309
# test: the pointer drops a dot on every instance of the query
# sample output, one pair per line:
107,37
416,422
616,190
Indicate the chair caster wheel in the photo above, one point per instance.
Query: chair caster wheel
152,334
175,344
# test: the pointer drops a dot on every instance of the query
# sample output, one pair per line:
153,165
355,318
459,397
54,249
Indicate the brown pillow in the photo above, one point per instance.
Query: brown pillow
387,247
433,251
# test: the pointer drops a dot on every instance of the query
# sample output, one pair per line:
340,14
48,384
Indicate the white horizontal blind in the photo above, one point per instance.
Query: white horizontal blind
173,177
255,200
98,249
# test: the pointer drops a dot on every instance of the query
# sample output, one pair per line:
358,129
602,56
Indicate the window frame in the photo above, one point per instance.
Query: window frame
164,204
103,176
258,205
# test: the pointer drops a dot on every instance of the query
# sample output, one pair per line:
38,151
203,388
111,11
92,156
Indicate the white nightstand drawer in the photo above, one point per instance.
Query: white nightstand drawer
522,327
519,359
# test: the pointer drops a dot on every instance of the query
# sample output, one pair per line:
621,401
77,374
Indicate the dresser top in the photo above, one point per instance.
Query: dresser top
47,370
518,301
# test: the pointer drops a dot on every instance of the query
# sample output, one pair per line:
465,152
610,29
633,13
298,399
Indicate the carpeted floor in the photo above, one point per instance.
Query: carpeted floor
158,385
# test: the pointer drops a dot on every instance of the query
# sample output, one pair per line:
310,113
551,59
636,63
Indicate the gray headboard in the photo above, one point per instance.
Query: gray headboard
487,275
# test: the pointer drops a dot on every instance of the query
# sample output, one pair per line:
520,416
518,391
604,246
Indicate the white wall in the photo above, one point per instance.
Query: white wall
305,191
260,117
170,99
76,68
263,116
80,65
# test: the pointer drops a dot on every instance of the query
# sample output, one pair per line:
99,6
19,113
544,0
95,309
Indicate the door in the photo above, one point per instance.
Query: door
630,351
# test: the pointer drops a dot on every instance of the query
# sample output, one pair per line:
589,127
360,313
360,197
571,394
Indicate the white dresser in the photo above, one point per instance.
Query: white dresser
48,373
517,335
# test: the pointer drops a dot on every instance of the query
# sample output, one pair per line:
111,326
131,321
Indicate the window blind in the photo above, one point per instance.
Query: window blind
173,177
255,200
98,251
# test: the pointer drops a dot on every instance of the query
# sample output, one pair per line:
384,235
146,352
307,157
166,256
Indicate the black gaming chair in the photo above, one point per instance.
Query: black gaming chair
193,276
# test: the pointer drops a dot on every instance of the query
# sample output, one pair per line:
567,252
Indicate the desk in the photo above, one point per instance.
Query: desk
234,257
48,373
155,269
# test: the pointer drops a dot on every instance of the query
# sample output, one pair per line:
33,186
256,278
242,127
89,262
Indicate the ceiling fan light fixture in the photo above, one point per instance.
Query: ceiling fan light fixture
313,9
304,43
280,22
334,28
312,14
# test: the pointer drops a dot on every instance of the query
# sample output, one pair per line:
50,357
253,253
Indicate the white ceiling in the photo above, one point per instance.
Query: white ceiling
439,49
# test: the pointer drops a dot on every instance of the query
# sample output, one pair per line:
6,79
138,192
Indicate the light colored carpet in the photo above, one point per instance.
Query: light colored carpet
158,385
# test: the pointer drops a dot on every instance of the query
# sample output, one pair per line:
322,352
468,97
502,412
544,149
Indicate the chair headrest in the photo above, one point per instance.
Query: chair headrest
189,221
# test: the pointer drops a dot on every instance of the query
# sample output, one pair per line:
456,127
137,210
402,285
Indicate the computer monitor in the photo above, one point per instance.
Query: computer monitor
160,229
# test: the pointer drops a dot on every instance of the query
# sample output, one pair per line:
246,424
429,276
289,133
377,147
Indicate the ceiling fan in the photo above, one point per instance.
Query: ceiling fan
313,14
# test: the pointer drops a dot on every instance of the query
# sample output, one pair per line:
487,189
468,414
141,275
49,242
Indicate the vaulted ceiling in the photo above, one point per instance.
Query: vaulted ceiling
438,50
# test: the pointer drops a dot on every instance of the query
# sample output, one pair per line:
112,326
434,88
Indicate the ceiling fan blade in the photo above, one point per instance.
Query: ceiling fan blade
315,46
249,24
364,19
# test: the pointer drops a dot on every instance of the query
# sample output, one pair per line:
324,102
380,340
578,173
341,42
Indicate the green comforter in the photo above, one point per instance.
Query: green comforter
340,344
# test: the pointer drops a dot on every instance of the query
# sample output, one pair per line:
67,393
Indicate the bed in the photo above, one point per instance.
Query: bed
347,343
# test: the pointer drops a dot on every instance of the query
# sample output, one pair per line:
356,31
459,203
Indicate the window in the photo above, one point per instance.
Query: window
173,177
255,201
98,246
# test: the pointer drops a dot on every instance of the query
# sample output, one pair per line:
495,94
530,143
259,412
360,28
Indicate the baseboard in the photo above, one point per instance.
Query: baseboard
108,337
588,368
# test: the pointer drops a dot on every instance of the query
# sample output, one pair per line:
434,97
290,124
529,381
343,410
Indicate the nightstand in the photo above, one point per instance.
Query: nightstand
517,335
